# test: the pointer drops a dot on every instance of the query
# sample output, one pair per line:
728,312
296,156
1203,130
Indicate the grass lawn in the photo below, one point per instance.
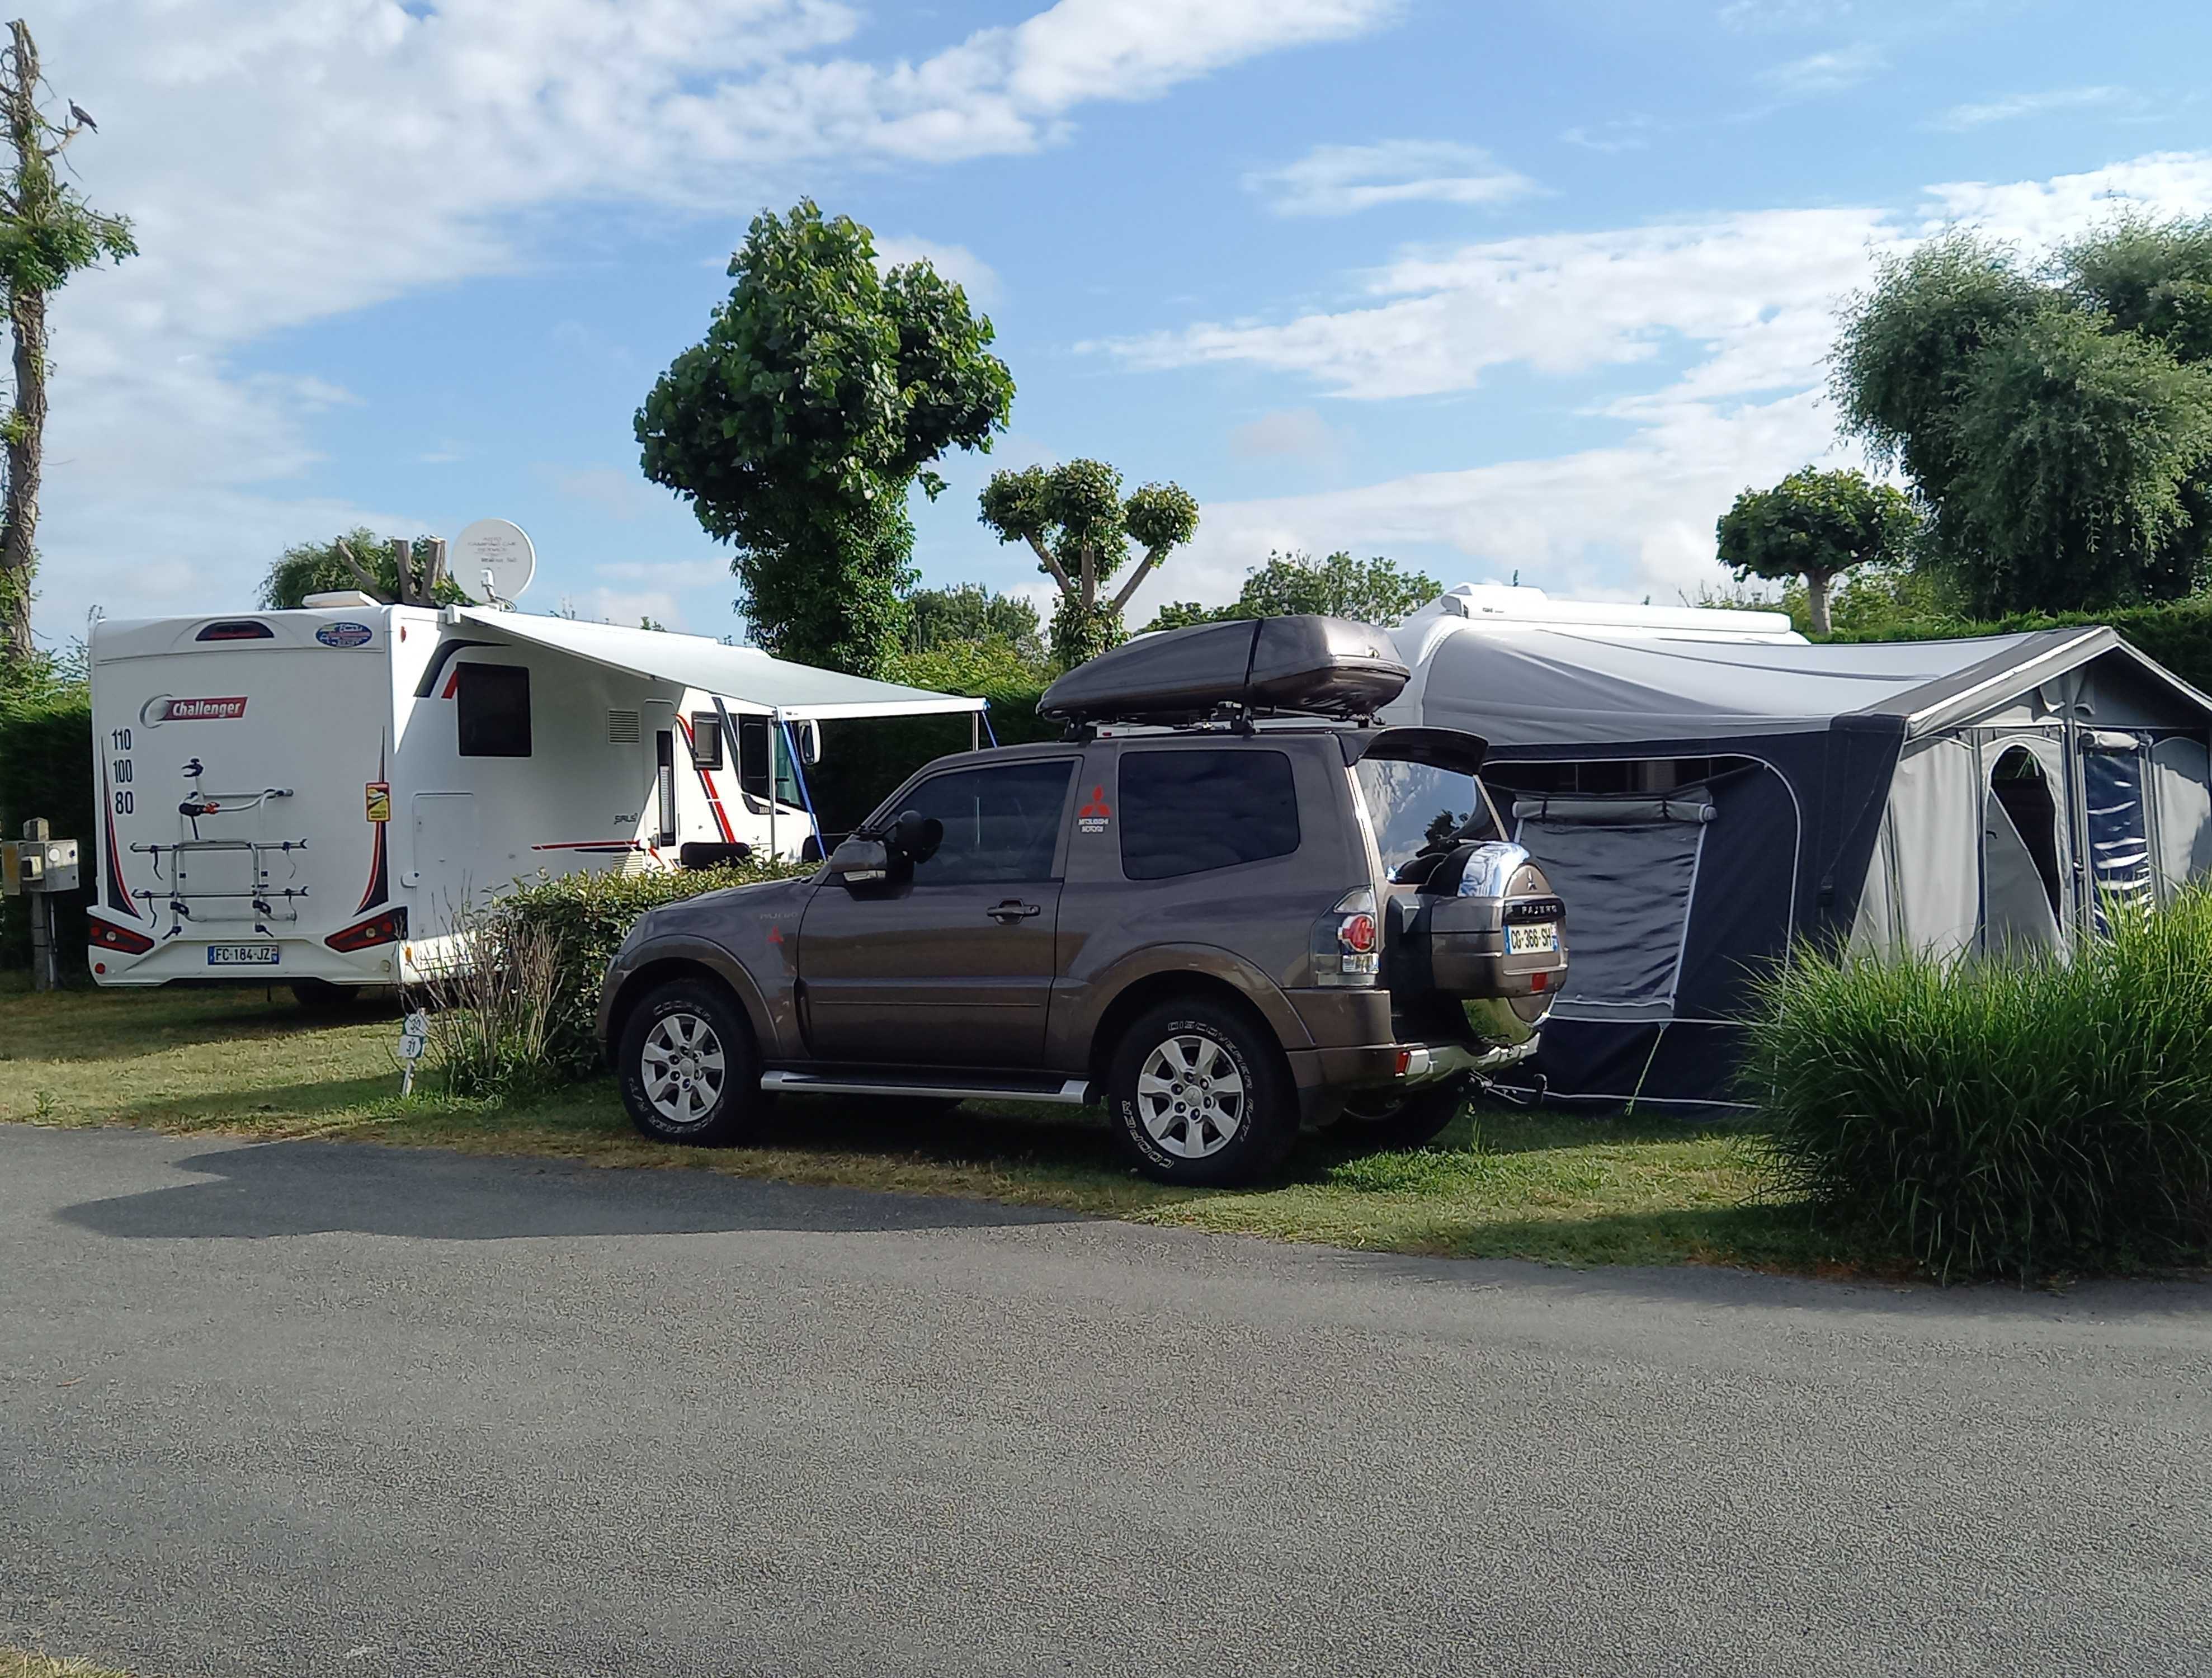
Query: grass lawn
1500,1182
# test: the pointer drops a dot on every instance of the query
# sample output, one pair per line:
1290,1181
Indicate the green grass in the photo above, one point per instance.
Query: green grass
23,1663
1499,1183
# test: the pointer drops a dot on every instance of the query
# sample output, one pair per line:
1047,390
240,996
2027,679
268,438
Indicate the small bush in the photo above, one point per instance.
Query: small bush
584,919
46,770
491,1018
2003,1118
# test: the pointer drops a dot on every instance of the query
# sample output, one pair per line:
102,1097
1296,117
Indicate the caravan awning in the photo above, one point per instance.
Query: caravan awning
748,678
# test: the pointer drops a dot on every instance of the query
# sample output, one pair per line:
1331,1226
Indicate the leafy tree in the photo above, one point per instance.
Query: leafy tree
1075,520
1182,614
47,233
316,568
971,612
797,425
1874,601
2056,427
1816,526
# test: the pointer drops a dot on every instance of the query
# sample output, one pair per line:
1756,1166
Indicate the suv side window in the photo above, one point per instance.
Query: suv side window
1184,813
1000,822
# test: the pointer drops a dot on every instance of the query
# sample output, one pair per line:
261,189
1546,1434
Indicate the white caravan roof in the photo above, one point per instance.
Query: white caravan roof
1495,606
744,676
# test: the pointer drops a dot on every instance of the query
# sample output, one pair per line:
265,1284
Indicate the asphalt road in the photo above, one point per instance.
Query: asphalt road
314,1409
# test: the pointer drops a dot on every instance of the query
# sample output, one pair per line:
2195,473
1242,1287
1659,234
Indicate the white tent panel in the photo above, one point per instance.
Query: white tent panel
1930,849
2181,792
748,678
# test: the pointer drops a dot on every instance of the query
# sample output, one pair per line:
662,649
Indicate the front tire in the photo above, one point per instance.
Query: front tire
1403,1124
688,1066
1200,1096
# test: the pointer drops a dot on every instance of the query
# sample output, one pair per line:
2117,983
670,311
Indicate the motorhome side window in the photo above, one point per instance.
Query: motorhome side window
1184,813
705,741
492,701
754,770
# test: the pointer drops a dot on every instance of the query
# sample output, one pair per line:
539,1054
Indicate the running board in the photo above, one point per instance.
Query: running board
1070,1092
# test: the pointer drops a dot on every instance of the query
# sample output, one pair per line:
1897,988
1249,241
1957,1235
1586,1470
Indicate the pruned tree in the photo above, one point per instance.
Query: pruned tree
398,572
1816,526
797,427
47,233
1077,522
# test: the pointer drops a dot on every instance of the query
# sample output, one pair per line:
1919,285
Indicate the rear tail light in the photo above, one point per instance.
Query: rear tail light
107,935
388,928
1348,941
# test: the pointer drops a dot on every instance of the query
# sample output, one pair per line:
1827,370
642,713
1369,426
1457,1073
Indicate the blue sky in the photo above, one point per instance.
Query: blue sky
1486,288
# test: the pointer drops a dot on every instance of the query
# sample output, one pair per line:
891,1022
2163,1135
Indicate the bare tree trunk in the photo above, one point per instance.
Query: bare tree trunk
26,425
1816,600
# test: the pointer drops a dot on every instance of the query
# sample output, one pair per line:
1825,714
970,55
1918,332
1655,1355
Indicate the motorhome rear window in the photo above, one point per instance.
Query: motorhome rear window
493,703
1184,813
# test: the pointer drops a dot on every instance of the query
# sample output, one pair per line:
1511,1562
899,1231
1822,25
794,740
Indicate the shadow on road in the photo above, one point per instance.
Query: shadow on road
287,1188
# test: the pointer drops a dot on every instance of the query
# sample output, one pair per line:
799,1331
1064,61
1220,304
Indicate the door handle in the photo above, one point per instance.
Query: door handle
1010,911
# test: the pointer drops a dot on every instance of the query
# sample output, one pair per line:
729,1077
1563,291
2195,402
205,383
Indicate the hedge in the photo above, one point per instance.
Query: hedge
588,916
2178,633
46,770
2009,1117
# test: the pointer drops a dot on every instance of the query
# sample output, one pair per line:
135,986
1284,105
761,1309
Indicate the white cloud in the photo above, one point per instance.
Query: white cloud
668,574
1734,314
1289,432
289,160
955,263
2013,106
1822,73
1338,180
1619,134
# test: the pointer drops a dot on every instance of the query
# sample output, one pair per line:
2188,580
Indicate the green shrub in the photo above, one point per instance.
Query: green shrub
586,917
490,1017
2003,1118
46,770
2178,634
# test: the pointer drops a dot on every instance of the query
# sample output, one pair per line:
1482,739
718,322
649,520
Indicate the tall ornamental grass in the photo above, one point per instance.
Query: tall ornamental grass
2003,1118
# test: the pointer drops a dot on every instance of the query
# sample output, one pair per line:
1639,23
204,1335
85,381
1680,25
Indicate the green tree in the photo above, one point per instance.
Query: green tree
47,233
1077,523
2057,427
971,612
1369,590
317,568
1816,526
798,426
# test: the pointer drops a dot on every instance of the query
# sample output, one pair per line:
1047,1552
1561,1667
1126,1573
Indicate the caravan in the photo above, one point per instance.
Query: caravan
308,797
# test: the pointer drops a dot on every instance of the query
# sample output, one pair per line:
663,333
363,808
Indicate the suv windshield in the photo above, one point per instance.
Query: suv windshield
1413,806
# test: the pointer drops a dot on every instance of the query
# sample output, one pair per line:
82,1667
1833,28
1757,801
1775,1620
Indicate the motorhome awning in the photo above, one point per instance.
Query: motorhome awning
745,677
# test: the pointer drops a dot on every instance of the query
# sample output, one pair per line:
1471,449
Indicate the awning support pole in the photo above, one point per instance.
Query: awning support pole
975,731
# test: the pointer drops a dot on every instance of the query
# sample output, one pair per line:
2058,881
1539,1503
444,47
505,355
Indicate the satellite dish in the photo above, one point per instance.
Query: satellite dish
493,561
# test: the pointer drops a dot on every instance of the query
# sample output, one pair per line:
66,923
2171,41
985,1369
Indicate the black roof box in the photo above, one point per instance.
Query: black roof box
1328,666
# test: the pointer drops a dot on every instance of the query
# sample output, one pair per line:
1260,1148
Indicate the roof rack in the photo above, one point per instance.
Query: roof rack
1302,666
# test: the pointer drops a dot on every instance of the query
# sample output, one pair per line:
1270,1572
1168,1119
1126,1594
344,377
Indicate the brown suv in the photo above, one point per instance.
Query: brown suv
1222,924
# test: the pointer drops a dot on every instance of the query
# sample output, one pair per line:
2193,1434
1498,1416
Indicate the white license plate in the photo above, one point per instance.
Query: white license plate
1535,940
241,955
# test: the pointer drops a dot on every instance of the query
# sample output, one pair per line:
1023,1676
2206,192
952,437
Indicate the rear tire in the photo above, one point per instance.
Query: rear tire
1201,1096
1400,1126
688,1066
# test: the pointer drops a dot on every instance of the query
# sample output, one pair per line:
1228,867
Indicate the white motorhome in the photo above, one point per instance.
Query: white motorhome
308,797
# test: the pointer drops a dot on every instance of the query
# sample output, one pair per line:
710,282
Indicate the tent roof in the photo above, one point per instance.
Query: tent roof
743,675
1552,687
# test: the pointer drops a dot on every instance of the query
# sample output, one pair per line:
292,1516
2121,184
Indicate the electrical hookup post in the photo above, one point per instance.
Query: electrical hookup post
414,1035
37,868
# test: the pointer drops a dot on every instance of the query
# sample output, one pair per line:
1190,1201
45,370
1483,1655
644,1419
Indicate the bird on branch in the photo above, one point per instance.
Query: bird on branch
82,115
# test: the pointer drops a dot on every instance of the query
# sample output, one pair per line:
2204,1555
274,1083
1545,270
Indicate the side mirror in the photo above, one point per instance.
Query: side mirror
915,836
860,862
806,734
